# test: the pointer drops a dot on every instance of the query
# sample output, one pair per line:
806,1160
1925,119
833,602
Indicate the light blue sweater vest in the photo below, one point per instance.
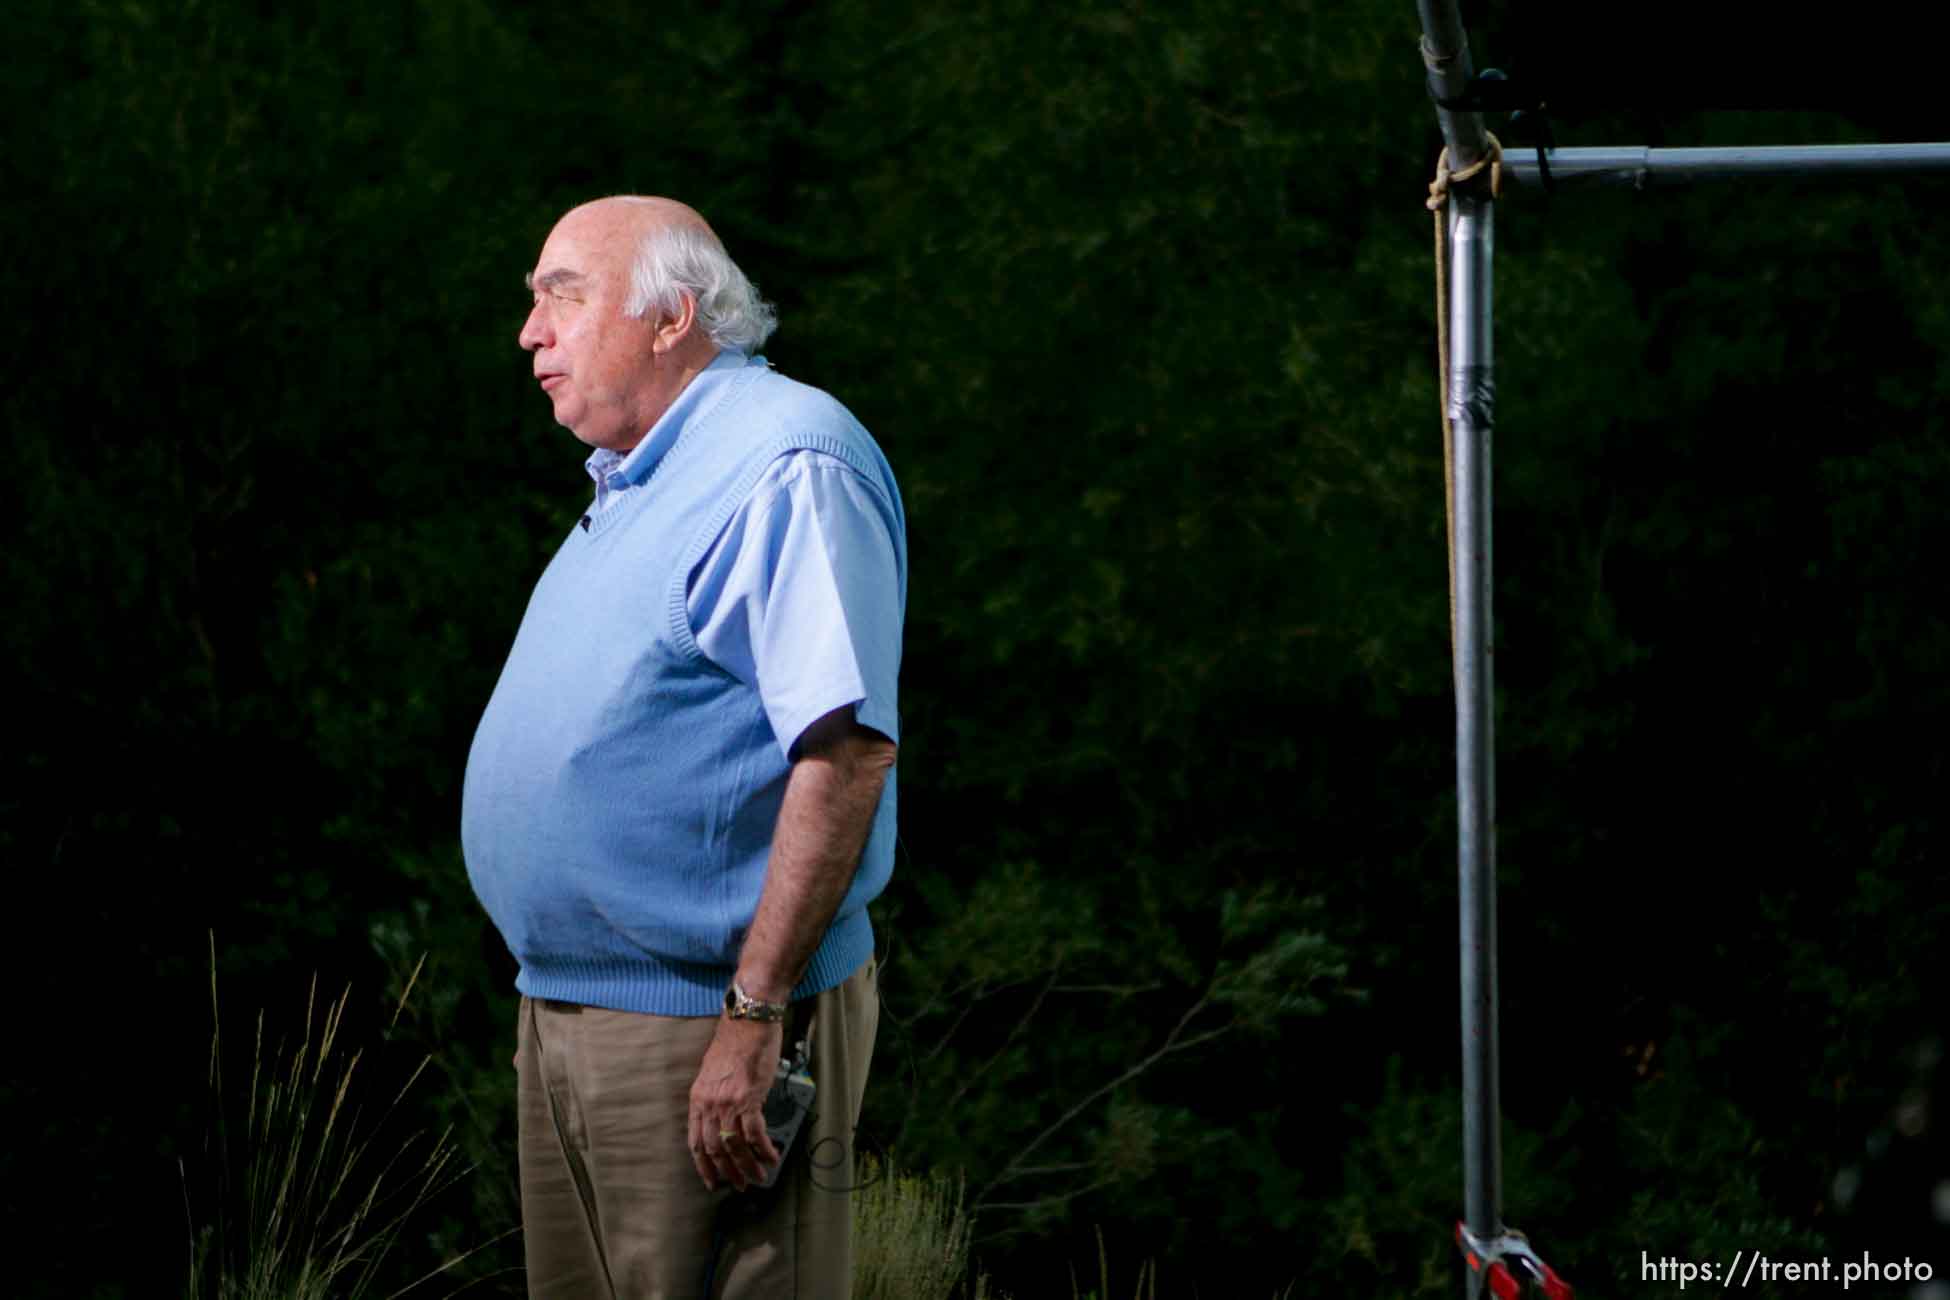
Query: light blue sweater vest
622,789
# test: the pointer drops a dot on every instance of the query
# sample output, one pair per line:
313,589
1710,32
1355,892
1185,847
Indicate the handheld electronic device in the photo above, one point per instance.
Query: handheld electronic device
787,1104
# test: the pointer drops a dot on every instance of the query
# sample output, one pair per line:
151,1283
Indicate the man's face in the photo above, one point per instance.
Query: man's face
598,366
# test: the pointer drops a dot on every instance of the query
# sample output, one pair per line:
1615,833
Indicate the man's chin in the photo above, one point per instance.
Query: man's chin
574,422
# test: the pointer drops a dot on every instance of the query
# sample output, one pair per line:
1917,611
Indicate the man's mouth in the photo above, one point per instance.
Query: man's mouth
550,380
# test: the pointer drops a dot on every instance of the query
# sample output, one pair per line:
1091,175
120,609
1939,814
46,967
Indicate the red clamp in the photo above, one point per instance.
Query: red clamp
1496,1257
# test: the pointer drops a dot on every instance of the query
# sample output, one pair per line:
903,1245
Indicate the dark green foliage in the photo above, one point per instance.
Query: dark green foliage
1137,300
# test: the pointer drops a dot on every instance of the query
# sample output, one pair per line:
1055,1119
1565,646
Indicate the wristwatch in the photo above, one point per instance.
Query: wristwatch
740,1005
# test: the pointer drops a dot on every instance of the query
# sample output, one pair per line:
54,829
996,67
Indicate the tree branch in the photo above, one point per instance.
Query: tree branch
1171,1044
1007,1042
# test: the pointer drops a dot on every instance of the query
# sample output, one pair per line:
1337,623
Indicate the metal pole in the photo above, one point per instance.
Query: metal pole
1445,53
1639,167
1470,407
1471,401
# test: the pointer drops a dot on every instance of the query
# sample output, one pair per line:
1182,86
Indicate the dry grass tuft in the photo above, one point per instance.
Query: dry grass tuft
306,1206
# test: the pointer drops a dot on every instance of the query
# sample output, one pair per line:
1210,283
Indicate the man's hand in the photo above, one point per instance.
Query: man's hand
728,1138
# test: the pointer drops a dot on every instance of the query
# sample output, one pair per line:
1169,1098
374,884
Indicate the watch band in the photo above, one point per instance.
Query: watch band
740,1005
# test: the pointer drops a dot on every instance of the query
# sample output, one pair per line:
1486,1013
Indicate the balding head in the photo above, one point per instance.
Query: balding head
626,220
633,296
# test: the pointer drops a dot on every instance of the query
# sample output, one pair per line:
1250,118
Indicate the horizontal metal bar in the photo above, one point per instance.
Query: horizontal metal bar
1640,167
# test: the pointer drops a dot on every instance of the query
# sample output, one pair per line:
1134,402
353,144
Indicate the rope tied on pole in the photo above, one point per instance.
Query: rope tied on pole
1437,202
1444,178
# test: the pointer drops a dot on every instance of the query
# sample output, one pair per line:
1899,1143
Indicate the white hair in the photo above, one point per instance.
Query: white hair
677,261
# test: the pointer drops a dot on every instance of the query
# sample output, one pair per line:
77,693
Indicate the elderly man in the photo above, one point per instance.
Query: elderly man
680,798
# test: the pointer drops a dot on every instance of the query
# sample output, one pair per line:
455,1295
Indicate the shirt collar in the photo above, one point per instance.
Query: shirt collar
617,470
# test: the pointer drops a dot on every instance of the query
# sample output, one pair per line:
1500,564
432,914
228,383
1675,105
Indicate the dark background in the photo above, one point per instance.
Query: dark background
1137,300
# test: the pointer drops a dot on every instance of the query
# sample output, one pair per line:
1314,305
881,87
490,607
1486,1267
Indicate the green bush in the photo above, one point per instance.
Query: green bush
911,1235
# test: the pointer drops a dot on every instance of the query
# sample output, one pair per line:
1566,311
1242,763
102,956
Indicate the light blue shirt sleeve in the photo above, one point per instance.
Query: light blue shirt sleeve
800,597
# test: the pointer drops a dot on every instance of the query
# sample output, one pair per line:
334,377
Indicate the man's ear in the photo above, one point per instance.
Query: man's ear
672,330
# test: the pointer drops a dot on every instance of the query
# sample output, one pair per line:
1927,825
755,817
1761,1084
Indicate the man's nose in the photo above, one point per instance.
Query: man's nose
534,330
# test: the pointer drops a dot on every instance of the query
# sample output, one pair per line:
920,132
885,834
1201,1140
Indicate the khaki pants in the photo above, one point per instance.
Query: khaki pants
612,1207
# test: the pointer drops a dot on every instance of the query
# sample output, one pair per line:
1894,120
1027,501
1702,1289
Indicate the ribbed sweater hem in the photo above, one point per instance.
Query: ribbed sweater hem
655,986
